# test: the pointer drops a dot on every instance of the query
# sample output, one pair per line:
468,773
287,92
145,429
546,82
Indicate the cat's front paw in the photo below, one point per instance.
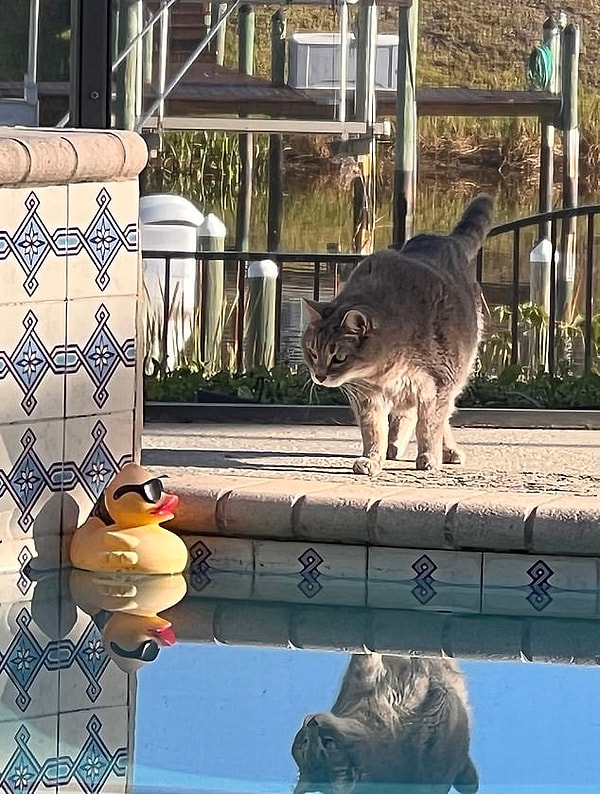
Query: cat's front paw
369,466
426,462
392,452
454,456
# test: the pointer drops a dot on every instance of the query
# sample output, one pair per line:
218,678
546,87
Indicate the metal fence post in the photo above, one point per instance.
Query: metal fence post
89,102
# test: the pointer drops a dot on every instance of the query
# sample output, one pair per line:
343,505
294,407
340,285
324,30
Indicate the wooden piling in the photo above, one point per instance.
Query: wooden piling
551,38
246,140
364,183
260,339
570,129
406,124
128,72
217,46
275,208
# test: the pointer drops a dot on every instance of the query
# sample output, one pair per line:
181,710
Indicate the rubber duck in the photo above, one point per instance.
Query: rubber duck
123,532
133,633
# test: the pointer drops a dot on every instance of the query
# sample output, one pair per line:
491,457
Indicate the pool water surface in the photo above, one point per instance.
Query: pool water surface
101,691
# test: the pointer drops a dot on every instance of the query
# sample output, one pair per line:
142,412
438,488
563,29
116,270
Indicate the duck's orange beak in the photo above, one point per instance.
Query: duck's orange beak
166,506
164,634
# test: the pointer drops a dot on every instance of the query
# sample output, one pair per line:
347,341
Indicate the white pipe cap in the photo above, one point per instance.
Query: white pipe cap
266,268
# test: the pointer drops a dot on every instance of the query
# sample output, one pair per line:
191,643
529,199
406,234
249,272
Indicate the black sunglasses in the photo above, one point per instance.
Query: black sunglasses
150,491
146,652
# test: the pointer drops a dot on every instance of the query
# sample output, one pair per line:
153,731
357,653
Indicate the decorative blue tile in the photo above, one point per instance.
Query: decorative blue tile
93,751
104,238
95,450
424,589
519,584
103,221
319,572
32,253
31,762
100,355
309,574
32,348
31,663
30,244
431,580
539,596
29,476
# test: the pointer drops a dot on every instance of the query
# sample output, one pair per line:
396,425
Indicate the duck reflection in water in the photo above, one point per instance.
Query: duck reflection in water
125,607
399,724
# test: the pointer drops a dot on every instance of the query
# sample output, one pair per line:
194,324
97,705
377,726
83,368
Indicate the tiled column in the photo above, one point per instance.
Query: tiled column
69,396
69,288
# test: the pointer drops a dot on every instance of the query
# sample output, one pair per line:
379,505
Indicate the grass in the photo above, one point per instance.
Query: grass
472,44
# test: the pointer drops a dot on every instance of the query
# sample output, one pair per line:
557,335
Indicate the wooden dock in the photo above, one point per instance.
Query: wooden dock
210,89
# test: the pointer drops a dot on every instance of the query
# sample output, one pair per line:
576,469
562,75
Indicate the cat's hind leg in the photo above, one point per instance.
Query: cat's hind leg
432,410
401,428
451,452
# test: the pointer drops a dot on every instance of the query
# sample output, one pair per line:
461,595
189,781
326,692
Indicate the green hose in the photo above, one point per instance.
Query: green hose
539,68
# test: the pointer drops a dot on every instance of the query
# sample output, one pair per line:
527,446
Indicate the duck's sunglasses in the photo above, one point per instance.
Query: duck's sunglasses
150,491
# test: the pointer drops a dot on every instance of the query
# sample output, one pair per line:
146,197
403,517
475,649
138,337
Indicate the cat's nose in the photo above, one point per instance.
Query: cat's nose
321,377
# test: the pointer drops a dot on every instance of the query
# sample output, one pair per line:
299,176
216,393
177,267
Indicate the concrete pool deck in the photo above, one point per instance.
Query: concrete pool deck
528,491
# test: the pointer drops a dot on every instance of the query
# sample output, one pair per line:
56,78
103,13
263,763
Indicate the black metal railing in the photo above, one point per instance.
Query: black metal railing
291,281
320,275
571,246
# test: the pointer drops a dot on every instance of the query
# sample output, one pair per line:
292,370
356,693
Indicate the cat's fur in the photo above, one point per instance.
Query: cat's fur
399,724
401,339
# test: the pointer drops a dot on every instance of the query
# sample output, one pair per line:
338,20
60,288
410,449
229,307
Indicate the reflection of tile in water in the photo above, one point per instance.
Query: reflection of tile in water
91,679
93,747
432,579
27,751
530,585
324,573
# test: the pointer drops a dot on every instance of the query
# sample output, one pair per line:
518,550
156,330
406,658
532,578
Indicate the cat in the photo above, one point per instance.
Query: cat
399,724
401,339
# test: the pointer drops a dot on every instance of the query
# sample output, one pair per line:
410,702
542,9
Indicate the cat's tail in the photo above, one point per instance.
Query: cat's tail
474,225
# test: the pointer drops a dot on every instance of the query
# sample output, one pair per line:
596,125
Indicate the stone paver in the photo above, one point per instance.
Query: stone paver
521,490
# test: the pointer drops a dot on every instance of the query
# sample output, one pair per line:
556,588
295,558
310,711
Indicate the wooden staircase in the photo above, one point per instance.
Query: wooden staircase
188,25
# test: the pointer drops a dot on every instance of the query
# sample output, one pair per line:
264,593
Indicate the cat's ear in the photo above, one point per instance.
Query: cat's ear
467,780
357,322
315,309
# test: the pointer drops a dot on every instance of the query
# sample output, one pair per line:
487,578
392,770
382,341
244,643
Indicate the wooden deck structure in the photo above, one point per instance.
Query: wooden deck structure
210,89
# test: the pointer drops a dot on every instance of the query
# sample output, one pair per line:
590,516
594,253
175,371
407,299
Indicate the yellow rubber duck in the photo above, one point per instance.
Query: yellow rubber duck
134,632
123,532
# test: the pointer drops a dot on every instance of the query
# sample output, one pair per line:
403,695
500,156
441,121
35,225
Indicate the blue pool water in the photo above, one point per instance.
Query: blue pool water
230,714
98,694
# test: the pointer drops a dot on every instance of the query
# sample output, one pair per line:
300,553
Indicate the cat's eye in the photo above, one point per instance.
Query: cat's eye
328,742
339,358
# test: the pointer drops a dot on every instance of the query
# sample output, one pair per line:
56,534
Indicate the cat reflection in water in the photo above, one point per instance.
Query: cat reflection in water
401,339
399,724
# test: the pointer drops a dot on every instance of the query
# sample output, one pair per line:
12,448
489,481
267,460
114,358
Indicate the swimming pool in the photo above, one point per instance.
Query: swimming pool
211,684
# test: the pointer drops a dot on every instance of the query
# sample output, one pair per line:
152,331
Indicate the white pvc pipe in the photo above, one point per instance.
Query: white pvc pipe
343,60
32,50
163,48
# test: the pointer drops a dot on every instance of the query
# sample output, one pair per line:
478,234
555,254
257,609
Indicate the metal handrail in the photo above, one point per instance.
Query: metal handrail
553,218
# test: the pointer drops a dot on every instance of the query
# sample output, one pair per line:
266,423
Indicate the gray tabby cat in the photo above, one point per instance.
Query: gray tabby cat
399,724
401,339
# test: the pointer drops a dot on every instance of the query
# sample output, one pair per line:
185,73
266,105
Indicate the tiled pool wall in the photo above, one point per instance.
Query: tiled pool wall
471,582
69,288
